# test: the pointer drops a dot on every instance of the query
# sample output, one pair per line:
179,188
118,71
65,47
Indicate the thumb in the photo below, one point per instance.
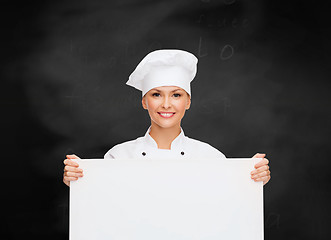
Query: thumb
72,156
259,155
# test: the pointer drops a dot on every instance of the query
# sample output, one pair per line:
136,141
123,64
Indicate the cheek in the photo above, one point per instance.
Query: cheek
152,105
181,106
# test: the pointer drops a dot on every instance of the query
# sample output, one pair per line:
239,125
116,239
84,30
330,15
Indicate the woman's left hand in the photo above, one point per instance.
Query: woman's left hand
261,172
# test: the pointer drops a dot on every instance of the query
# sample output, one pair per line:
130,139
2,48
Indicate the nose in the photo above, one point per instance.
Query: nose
166,103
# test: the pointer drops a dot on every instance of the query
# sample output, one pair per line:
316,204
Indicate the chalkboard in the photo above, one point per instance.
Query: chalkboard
262,86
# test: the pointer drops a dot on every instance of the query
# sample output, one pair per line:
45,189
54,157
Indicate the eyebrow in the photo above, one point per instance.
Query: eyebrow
178,89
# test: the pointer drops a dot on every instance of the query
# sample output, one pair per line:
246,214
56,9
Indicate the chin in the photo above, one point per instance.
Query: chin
166,125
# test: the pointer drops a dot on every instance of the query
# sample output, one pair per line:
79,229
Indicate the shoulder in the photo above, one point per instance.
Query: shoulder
123,149
204,148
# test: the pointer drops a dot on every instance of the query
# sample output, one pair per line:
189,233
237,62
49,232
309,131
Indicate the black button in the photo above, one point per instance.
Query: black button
182,153
143,153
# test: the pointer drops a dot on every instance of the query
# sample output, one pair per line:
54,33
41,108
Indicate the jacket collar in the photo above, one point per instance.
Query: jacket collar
176,143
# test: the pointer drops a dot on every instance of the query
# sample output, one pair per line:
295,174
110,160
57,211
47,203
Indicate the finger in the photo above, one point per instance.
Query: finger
73,174
72,156
68,179
267,180
262,174
259,155
260,169
72,169
264,179
69,162
264,161
66,182
259,175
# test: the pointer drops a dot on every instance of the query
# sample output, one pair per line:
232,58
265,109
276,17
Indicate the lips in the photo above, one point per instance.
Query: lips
166,114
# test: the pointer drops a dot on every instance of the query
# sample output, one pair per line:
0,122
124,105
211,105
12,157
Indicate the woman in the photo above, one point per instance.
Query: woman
164,78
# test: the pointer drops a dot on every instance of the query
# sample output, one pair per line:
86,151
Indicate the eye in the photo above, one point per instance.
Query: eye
156,94
177,95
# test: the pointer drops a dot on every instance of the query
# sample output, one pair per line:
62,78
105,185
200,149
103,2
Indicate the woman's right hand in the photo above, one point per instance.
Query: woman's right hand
71,170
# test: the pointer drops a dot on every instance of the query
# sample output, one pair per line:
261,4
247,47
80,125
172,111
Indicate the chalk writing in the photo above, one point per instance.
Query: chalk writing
226,52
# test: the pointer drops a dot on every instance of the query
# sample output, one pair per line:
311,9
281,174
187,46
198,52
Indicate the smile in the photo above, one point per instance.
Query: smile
166,114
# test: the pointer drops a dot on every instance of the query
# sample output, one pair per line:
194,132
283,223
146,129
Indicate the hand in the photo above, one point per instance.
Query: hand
71,170
261,172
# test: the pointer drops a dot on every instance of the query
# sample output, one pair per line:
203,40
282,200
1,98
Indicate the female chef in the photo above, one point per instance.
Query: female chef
164,77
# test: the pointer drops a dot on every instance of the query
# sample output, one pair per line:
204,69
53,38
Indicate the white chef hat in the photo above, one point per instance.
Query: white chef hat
167,67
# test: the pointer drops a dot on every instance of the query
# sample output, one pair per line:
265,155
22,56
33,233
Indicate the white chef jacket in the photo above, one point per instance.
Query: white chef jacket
182,147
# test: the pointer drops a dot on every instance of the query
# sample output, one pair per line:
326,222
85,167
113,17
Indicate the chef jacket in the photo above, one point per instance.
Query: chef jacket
182,147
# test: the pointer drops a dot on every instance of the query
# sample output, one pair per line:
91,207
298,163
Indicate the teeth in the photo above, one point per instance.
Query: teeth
166,114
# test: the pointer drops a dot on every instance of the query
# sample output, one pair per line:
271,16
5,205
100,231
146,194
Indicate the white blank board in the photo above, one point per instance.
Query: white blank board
205,199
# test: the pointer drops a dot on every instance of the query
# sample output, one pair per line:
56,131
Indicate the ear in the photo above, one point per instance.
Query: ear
143,102
188,105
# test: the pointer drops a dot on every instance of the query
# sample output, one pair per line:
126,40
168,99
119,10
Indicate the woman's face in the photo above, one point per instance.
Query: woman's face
166,105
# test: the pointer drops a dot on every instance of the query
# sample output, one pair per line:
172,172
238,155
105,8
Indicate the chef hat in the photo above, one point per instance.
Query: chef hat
165,67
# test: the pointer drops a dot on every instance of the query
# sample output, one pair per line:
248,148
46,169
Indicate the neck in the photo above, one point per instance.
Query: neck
164,136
